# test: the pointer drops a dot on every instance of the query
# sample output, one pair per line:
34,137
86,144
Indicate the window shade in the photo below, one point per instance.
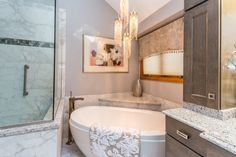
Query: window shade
166,63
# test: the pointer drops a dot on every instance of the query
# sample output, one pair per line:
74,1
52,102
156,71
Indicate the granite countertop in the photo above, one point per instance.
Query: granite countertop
221,133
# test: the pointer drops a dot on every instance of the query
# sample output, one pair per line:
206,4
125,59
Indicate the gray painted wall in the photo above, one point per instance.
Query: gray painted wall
93,17
169,91
170,9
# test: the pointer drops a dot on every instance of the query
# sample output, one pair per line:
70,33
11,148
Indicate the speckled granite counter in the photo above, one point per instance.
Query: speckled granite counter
221,133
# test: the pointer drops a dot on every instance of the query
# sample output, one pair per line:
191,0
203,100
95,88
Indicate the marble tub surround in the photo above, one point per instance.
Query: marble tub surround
147,102
128,100
219,132
218,114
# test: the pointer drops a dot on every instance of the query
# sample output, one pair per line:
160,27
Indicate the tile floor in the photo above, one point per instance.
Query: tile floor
70,151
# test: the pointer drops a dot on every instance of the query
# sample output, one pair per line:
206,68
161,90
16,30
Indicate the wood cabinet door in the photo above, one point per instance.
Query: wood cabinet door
215,151
176,149
201,58
188,4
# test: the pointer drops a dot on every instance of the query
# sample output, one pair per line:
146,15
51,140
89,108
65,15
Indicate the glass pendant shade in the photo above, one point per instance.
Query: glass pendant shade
128,23
133,25
118,32
124,11
127,45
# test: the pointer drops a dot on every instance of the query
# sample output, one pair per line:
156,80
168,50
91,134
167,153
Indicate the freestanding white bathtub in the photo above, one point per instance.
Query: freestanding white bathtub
151,125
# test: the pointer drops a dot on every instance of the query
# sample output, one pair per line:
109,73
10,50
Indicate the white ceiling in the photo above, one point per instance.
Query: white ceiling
145,8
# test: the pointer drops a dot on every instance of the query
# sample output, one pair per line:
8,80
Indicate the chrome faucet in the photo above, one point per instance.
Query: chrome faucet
71,109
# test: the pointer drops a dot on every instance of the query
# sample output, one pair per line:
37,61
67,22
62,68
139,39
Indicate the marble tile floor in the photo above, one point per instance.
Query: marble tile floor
70,151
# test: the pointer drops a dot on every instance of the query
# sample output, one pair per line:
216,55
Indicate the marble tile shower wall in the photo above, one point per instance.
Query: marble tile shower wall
26,37
27,19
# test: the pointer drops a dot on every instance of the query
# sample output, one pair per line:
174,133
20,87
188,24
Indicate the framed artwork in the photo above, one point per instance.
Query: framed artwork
102,55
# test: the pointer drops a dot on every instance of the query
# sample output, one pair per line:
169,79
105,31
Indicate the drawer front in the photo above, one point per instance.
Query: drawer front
188,4
186,135
176,149
215,151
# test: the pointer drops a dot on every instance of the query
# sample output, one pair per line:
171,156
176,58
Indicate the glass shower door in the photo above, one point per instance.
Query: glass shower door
26,61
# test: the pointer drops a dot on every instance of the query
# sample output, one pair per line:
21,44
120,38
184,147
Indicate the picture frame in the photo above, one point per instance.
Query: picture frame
101,55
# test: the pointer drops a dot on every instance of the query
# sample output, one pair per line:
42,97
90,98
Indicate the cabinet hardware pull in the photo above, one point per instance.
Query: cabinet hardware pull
181,134
25,92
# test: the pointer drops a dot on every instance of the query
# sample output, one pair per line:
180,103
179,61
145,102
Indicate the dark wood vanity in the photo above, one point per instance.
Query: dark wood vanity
184,141
202,77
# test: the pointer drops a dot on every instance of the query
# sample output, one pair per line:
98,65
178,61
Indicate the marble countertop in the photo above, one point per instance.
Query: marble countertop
221,133
129,98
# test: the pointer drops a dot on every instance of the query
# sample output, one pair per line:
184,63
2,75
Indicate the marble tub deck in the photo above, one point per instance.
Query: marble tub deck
127,100
219,132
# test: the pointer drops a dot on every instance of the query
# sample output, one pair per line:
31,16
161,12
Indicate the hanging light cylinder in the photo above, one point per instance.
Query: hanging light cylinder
118,31
124,11
133,25
127,45
127,23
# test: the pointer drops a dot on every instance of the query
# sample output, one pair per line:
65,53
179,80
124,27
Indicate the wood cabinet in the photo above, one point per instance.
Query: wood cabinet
215,151
176,149
192,3
192,140
185,141
201,58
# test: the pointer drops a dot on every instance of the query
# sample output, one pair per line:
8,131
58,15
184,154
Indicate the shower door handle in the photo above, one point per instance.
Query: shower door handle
25,92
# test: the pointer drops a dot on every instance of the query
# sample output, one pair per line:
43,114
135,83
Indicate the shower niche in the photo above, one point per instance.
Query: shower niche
27,61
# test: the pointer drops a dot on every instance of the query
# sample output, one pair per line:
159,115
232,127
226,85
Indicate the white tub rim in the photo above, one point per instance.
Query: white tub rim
145,135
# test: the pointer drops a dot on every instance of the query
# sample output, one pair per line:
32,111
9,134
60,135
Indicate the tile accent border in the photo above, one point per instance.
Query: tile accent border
23,42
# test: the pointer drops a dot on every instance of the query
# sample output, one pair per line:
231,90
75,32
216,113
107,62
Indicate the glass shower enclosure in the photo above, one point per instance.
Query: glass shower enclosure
27,61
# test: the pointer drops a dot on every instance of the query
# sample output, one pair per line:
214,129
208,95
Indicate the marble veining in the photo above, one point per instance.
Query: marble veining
29,145
219,132
127,100
41,140
44,126
218,114
39,83
26,37
30,20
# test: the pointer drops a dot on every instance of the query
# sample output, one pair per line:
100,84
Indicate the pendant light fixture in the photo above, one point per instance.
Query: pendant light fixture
126,27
